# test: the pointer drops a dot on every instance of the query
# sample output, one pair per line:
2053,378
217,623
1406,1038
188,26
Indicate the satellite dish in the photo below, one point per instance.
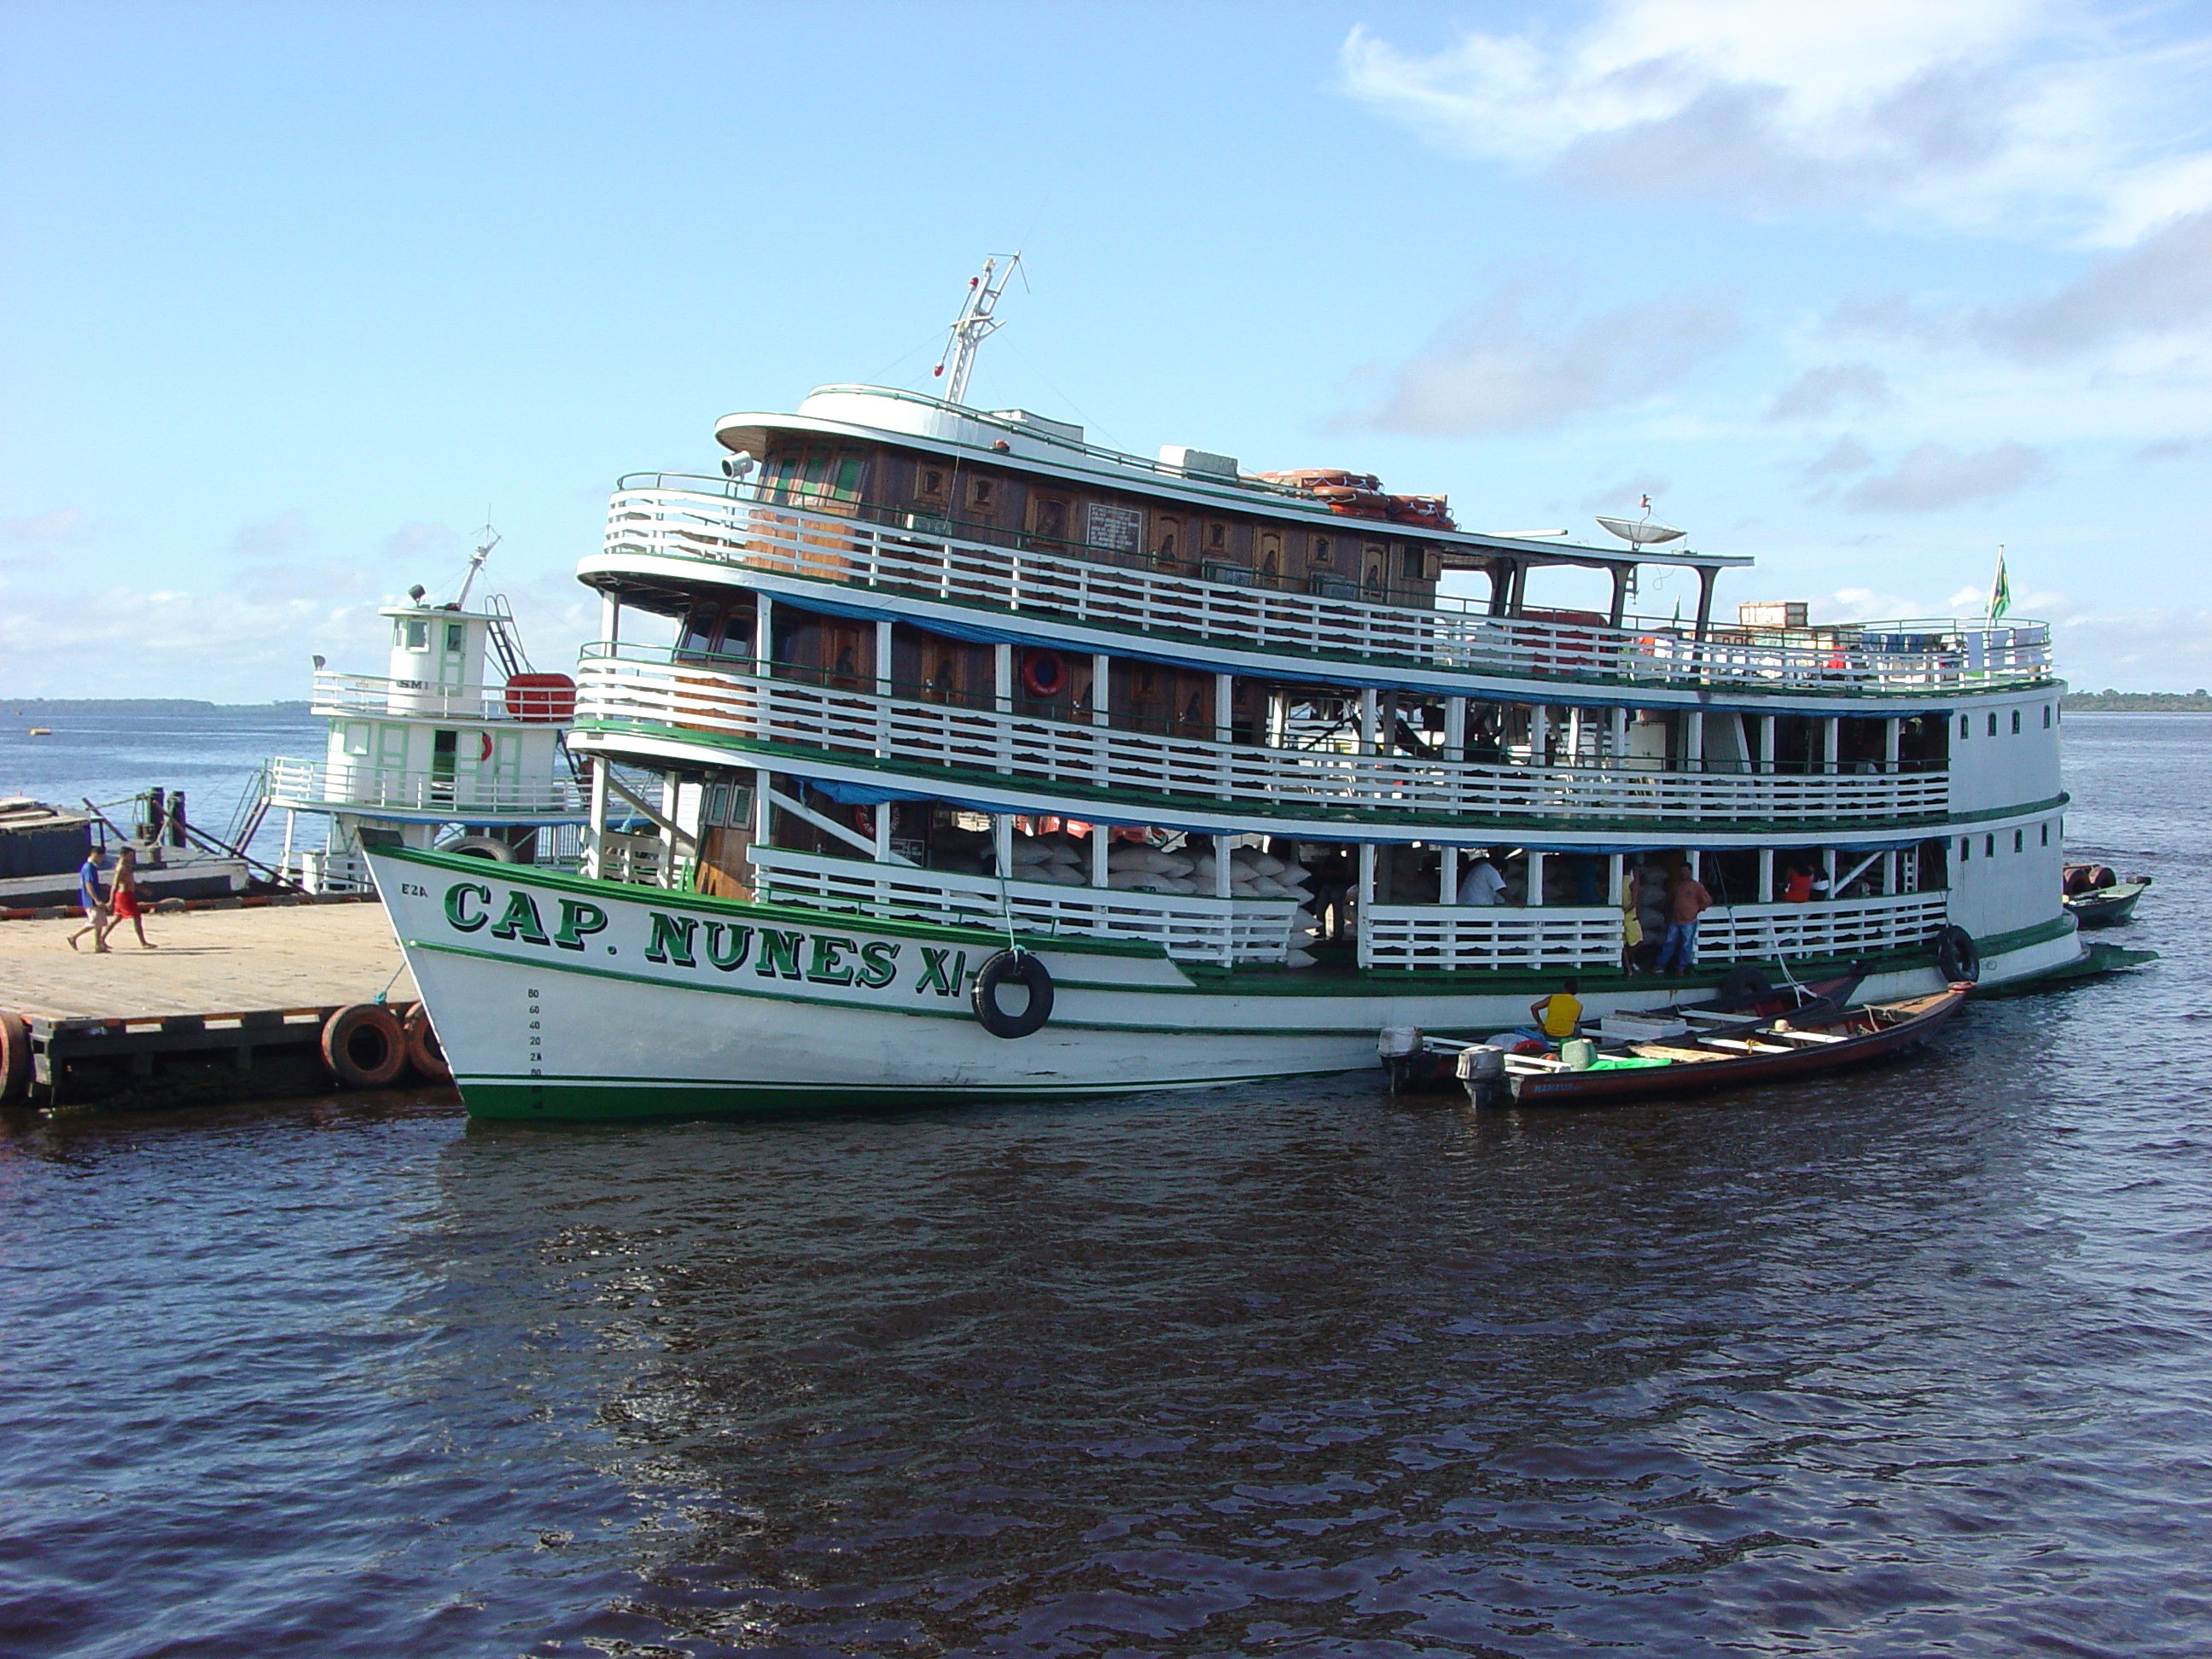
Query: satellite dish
737,465
1642,532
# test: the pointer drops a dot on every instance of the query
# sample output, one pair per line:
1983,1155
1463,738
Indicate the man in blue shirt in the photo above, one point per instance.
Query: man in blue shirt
92,896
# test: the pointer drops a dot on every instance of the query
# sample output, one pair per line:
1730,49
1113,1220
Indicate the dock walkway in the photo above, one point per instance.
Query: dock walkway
225,992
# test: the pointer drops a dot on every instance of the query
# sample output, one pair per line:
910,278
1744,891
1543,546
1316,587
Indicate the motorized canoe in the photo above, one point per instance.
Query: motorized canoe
2101,907
1730,1055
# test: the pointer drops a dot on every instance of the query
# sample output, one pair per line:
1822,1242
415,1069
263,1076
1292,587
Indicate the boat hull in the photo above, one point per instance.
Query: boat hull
1600,1088
2106,906
558,997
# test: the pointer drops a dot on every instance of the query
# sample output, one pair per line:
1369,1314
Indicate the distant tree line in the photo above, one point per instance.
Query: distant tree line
2108,700
130,705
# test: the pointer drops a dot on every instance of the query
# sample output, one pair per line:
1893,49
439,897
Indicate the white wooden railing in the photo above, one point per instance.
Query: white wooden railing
1837,928
1440,936
1190,928
729,524
646,686
366,788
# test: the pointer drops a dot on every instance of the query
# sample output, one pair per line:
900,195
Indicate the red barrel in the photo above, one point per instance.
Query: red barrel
546,697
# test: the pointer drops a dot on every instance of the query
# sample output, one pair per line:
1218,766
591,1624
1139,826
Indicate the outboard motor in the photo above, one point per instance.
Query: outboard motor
1482,1069
1404,1056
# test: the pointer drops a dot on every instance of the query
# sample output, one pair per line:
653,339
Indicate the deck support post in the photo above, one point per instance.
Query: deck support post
1448,875
1101,847
764,632
1766,875
1102,690
1455,731
1693,741
1002,678
1224,870
595,844
1617,721
1369,722
1892,733
1831,748
1539,735
1224,706
1707,574
883,658
1002,844
1366,889
610,618
1623,574
1766,743
1533,898
1616,878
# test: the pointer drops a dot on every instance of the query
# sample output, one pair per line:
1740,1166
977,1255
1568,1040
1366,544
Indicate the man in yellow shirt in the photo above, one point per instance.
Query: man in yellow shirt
1558,1016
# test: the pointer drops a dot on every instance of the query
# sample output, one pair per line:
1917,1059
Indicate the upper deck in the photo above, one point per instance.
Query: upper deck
678,531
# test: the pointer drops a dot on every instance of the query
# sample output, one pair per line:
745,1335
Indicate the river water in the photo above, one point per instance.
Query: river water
1915,1363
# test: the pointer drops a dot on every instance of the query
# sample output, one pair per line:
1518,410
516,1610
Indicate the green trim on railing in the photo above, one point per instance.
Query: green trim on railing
1925,827
1934,698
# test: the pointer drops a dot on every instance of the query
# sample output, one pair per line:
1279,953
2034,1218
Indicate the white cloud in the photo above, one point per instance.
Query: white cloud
64,526
1822,391
2041,118
1846,454
1521,358
1933,477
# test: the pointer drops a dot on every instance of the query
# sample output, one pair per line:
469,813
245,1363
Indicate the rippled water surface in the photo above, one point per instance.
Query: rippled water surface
1914,1364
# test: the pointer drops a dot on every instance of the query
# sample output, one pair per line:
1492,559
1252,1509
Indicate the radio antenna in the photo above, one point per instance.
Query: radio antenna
975,322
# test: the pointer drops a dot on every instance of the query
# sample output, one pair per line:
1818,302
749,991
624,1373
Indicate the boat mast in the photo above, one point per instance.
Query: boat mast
974,323
477,564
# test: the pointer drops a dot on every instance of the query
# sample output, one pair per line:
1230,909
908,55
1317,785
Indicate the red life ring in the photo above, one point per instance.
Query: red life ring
1043,674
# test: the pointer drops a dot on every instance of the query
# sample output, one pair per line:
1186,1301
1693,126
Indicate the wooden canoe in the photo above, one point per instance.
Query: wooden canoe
1771,1051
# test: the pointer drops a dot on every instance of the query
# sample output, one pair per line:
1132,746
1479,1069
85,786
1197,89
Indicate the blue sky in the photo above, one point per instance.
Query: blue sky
293,293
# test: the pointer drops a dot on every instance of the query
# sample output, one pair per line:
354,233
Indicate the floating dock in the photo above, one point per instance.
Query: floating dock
230,1003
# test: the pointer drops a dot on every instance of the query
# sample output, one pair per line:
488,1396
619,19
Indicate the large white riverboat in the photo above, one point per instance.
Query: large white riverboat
980,761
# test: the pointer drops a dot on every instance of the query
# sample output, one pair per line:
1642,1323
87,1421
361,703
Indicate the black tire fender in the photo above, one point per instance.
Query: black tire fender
1957,958
424,1052
1023,969
15,1056
363,1047
482,847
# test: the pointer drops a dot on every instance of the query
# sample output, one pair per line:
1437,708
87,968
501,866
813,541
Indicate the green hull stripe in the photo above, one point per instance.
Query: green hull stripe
557,1100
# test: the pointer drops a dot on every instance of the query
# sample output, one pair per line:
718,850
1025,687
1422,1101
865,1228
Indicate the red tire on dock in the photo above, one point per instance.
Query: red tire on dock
424,1052
15,1057
363,1047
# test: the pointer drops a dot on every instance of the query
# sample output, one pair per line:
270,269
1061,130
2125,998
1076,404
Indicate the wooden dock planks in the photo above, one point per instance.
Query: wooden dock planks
222,990
207,960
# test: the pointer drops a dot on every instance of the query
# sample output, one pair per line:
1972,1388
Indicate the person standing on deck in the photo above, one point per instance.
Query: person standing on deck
93,899
1687,899
1481,885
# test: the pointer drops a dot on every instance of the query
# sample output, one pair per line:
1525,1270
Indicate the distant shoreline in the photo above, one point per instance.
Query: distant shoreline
142,705
2137,702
